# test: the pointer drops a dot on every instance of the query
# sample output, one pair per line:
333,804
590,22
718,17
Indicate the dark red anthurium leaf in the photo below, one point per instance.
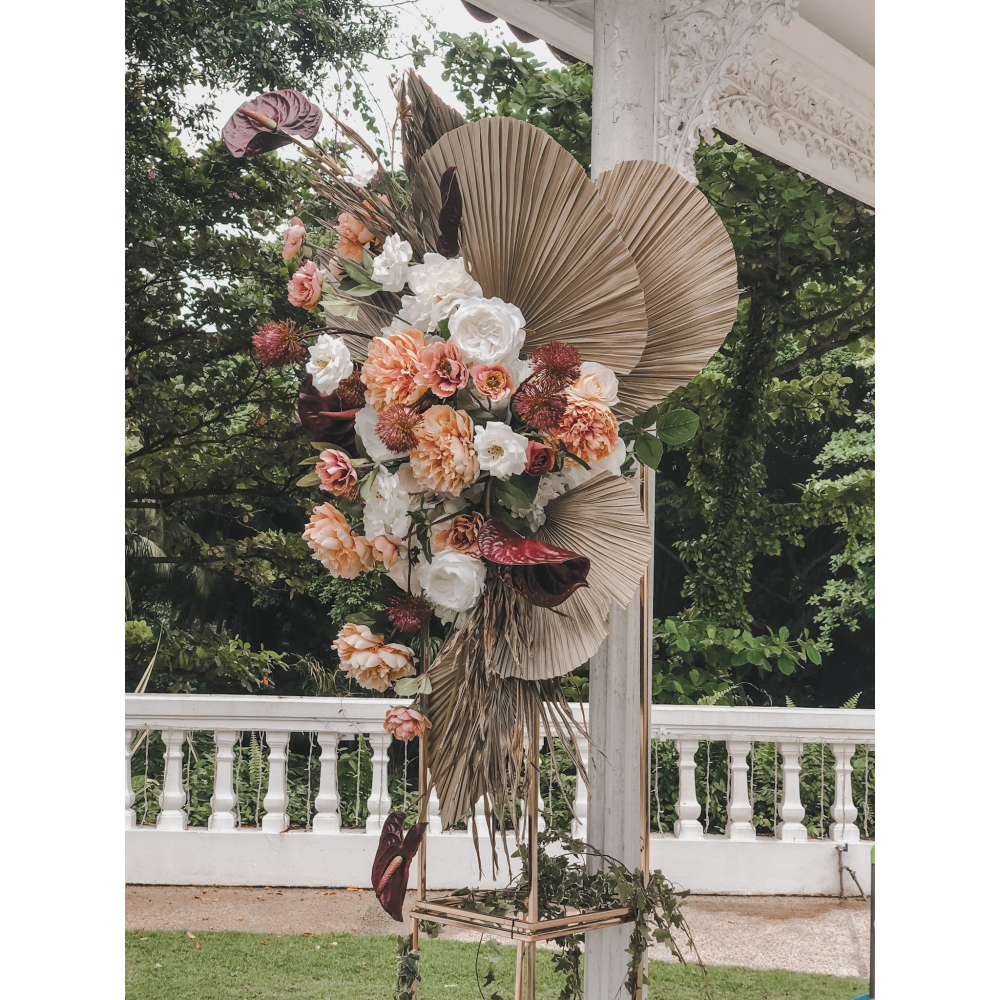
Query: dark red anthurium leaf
326,418
450,218
269,121
392,862
545,574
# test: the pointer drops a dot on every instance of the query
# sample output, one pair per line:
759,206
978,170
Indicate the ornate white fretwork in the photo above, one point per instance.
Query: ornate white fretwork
706,44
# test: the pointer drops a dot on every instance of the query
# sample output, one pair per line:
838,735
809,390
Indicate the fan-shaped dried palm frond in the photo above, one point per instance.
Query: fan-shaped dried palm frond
537,234
688,271
423,119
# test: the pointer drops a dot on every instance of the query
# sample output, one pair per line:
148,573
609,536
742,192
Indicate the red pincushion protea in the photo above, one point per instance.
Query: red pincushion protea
397,426
555,366
278,344
540,409
409,612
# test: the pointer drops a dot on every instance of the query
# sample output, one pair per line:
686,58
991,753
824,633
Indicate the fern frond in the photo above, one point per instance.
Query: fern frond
852,702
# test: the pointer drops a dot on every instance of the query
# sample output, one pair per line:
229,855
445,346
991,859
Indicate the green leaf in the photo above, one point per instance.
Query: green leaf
528,485
309,479
361,618
407,687
511,495
649,450
337,306
308,461
355,271
324,445
365,486
514,523
367,262
677,426
443,329
786,664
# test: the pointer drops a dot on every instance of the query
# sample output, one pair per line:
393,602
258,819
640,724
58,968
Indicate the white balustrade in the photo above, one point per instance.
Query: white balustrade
327,818
477,821
433,812
844,811
173,799
791,808
739,810
379,803
581,798
688,808
223,799
276,800
129,793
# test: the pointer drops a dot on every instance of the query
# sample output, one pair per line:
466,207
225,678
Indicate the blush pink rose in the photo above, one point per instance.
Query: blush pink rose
385,549
294,235
442,369
493,381
336,474
538,459
405,723
306,285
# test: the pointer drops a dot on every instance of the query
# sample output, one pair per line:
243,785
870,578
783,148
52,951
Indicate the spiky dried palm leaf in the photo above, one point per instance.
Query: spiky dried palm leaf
423,119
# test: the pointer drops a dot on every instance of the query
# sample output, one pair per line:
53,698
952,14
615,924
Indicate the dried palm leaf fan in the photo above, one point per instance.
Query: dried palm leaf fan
537,234
688,272
423,119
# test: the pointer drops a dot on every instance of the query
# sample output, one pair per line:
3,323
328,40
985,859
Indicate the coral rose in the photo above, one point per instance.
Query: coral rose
374,664
461,533
329,536
539,459
445,459
493,381
588,430
405,723
442,369
306,285
337,475
390,372
294,235
384,548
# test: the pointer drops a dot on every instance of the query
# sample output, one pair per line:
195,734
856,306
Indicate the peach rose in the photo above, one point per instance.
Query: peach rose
597,383
374,664
539,459
385,549
461,533
390,372
336,474
445,459
442,369
587,429
294,235
405,723
353,238
306,285
493,381
329,536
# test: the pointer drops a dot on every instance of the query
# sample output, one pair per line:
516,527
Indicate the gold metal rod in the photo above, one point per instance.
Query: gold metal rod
531,794
646,671
519,973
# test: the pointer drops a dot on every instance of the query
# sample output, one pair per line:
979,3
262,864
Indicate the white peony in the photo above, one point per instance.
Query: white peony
501,451
329,363
439,285
402,573
390,267
364,427
453,580
387,507
597,383
363,176
487,331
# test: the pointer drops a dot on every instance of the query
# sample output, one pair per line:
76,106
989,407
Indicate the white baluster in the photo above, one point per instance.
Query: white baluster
173,800
541,809
276,800
688,808
479,819
581,798
738,809
129,794
223,798
433,812
379,803
844,811
327,818
792,811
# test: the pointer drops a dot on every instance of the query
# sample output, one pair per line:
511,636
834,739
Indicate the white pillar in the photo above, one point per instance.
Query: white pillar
173,800
738,808
276,800
379,803
792,811
844,811
223,797
129,794
688,825
478,821
433,812
327,818
579,827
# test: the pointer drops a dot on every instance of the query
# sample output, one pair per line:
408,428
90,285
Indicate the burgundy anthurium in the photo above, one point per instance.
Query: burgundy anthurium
330,417
392,862
545,574
269,122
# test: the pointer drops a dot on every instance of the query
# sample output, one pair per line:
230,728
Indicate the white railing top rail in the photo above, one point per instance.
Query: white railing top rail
366,715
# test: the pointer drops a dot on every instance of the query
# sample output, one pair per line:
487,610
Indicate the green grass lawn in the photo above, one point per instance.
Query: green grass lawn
233,964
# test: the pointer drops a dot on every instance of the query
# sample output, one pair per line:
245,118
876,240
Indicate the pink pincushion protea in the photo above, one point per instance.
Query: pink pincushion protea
337,474
442,369
405,723
374,664
278,344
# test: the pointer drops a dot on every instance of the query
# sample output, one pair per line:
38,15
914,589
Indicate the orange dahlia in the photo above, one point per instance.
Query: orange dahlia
587,429
445,459
390,371
329,536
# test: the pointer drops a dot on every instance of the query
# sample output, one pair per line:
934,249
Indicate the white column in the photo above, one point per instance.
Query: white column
579,827
129,794
379,803
844,811
223,797
433,812
327,818
792,811
276,800
738,809
173,800
688,825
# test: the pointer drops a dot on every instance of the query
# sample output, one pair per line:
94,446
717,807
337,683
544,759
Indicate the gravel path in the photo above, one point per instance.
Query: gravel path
800,933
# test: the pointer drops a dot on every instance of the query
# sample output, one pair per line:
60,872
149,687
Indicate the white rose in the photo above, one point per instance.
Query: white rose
501,451
387,507
402,573
453,580
364,427
596,383
329,363
390,267
439,285
487,330
519,370
364,176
